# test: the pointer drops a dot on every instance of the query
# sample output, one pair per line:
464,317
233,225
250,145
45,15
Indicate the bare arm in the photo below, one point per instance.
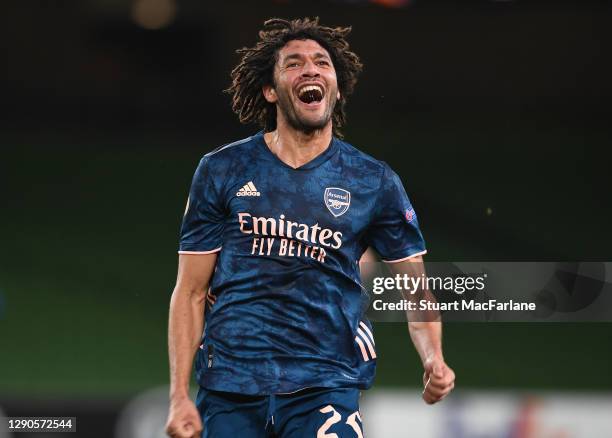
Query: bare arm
425,330
186,322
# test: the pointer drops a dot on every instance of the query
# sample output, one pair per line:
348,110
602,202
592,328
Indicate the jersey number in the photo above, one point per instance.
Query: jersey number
336,418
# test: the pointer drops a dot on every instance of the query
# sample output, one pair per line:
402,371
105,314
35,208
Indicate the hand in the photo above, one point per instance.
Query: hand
184,419
438,380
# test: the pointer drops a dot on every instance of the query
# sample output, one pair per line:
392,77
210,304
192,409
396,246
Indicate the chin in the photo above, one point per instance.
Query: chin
313,126
314,123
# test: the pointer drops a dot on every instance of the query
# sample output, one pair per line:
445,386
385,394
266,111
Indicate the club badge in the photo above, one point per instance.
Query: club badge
337,200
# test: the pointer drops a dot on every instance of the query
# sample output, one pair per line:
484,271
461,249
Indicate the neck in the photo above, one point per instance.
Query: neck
296,148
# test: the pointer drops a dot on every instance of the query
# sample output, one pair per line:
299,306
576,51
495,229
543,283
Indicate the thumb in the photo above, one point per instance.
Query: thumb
437,371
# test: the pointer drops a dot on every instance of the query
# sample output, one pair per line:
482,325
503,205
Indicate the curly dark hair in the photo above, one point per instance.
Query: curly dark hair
256,68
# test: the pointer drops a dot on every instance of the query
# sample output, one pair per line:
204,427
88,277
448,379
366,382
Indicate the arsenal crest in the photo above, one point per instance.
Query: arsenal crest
337,200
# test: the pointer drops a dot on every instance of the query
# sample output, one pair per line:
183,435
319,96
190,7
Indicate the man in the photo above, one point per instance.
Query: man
273,230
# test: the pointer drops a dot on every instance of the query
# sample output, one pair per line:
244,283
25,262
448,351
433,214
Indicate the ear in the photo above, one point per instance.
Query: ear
338,95
269,93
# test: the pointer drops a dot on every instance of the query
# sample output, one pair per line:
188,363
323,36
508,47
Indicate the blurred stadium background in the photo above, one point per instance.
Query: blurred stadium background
494,113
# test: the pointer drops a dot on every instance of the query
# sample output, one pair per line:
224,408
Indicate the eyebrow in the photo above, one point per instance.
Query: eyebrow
317,55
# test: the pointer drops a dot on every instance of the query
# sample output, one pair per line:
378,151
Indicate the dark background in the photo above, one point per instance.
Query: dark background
494,113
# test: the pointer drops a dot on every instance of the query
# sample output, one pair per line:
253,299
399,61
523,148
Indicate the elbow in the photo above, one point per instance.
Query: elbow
417,326
194,294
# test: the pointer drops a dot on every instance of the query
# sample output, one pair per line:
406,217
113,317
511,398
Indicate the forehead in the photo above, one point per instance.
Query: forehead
305,48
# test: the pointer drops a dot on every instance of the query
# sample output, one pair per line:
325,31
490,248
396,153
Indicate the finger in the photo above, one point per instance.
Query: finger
183,431
440,394
435,393
451,384
439,384
439,391
430,399
443,381
173,431
179,434
448,391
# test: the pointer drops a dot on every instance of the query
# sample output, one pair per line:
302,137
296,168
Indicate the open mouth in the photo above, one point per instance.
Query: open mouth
310,93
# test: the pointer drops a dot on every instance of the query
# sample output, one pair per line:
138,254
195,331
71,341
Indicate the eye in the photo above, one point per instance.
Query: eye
323,62
292,64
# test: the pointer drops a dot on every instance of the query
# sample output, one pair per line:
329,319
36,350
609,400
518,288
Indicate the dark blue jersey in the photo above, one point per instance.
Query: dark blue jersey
289,309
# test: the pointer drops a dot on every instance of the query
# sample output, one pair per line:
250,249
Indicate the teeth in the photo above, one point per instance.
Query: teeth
311,88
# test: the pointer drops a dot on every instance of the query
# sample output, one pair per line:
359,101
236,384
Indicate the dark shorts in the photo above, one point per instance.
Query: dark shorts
310,413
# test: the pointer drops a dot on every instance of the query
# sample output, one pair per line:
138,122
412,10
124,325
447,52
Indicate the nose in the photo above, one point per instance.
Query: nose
310,69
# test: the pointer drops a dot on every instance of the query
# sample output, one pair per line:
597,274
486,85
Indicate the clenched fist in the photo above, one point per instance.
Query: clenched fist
438,380
184,419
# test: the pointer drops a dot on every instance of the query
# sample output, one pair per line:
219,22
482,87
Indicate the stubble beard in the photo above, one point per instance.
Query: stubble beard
289,111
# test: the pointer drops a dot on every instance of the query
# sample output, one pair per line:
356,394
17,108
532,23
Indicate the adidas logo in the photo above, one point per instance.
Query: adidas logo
248,189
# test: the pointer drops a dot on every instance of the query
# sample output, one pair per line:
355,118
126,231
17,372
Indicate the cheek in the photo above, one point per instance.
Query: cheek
333,82
286,78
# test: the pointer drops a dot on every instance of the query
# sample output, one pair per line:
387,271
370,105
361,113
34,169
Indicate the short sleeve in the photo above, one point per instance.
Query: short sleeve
394,231
204,220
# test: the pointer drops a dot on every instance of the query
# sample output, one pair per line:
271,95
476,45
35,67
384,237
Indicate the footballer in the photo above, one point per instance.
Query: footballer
268,300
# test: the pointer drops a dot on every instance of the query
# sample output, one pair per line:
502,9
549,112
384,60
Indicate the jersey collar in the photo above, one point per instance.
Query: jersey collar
315,162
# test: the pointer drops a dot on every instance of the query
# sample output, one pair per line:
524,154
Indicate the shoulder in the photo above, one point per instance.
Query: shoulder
221,166
359,159
228,161
229,154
